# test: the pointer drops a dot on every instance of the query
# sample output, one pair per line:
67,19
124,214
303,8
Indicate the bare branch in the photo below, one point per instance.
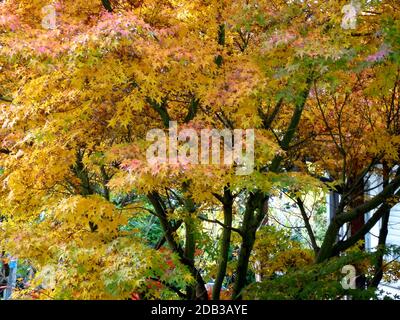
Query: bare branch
221,224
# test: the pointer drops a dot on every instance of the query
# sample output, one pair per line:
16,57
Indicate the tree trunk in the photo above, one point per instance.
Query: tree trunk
224,244
252,218
190,248
157,202
355,226
378,267
326,250
243,264
383,232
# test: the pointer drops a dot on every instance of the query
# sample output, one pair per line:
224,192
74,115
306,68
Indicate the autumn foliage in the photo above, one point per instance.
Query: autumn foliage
77,100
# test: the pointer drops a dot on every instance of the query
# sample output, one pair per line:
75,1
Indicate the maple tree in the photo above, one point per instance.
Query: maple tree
78,98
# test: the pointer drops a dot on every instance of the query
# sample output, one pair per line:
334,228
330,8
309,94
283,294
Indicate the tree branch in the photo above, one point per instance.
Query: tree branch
107,5
162,240
161,109
267,120
388,191
171,287
221,224
294,123
6,99
193,107
307,225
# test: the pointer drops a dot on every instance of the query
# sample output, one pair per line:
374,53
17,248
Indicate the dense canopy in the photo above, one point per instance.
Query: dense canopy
83,82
